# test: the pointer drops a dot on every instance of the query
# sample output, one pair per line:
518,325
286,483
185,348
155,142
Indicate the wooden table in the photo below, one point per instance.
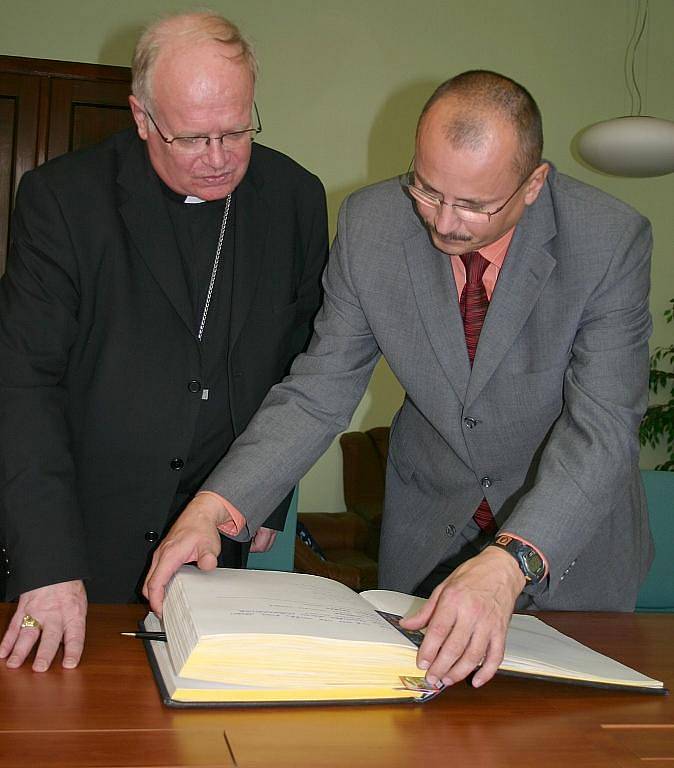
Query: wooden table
108,713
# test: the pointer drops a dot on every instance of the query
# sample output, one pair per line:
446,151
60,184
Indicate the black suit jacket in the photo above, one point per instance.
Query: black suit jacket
97,349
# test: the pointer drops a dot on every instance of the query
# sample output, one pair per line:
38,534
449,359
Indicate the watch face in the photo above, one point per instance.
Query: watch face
533,563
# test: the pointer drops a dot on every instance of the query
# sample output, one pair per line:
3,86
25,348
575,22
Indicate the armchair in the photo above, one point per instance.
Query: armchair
344,545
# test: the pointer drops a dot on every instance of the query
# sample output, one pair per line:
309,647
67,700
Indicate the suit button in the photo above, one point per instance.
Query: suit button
485,482
450,530
469,423
177,464
194,386
151,536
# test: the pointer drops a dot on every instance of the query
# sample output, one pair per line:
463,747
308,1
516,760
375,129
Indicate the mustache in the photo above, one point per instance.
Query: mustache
450,237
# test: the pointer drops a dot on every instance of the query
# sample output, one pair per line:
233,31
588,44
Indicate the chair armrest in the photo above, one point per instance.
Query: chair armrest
338,530
307,561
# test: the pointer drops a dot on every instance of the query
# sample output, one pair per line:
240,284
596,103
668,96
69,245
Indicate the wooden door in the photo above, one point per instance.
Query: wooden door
84,112
19,106
48,108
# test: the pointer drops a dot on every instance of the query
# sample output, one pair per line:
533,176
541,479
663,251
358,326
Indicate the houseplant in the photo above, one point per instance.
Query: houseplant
657,426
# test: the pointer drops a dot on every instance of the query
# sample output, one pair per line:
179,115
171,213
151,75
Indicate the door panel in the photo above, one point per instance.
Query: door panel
19,104
85,112
48,108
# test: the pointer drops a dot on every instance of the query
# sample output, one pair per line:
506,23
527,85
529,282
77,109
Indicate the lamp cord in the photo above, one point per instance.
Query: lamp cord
640,20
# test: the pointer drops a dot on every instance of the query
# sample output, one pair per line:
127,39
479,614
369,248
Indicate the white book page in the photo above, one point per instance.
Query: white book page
393,602
232,601
532,644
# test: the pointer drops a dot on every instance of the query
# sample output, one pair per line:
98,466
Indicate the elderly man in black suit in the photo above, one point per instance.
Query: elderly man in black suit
157,286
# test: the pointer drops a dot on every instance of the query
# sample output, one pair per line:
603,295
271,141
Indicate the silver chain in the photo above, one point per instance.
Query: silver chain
216,261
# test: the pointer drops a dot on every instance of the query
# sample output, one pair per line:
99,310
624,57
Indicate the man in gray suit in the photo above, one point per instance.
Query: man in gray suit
512,476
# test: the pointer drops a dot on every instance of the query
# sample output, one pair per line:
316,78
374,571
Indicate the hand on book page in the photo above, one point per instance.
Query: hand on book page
194,537
467,619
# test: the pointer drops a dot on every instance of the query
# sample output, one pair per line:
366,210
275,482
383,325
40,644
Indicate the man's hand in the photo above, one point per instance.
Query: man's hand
193,537
61,609
263,540
467,618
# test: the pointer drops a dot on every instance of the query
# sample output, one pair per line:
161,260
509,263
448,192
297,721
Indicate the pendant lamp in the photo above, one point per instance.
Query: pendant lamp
633,145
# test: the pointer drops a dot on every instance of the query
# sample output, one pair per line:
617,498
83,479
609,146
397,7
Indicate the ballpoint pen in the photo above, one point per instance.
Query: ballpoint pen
161,636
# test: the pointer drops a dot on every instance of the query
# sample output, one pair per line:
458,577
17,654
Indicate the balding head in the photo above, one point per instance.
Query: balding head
185,31
474,102
477,161
195,77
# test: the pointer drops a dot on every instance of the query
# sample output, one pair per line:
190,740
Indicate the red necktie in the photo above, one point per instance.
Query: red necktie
473,305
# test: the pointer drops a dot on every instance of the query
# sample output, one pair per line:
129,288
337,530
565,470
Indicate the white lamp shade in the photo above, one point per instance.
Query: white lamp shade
629,146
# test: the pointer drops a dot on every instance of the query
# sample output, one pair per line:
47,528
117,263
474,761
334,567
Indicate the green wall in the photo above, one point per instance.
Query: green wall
342,83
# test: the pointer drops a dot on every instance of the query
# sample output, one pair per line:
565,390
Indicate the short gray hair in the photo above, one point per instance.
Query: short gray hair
191,28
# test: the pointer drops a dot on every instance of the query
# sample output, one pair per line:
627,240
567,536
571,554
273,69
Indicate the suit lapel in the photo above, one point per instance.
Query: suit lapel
436,297
145,215
252,224
523,276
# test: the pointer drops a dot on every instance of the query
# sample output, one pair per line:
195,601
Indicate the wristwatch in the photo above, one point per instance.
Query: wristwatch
529,560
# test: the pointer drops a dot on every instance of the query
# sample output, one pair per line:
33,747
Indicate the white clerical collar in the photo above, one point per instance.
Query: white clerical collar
193,199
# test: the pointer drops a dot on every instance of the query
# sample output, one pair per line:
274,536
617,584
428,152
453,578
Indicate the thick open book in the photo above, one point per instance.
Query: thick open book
243,636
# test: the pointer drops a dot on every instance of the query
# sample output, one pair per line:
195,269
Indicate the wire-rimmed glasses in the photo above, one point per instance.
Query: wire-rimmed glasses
463,212
194,145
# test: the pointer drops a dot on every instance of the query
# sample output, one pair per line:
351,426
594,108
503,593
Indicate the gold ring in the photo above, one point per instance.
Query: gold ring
29,622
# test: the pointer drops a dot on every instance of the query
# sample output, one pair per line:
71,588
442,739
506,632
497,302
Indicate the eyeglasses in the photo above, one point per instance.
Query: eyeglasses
463,212
194,145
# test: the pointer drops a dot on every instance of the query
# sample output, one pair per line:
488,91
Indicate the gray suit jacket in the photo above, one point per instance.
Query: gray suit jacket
557,390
